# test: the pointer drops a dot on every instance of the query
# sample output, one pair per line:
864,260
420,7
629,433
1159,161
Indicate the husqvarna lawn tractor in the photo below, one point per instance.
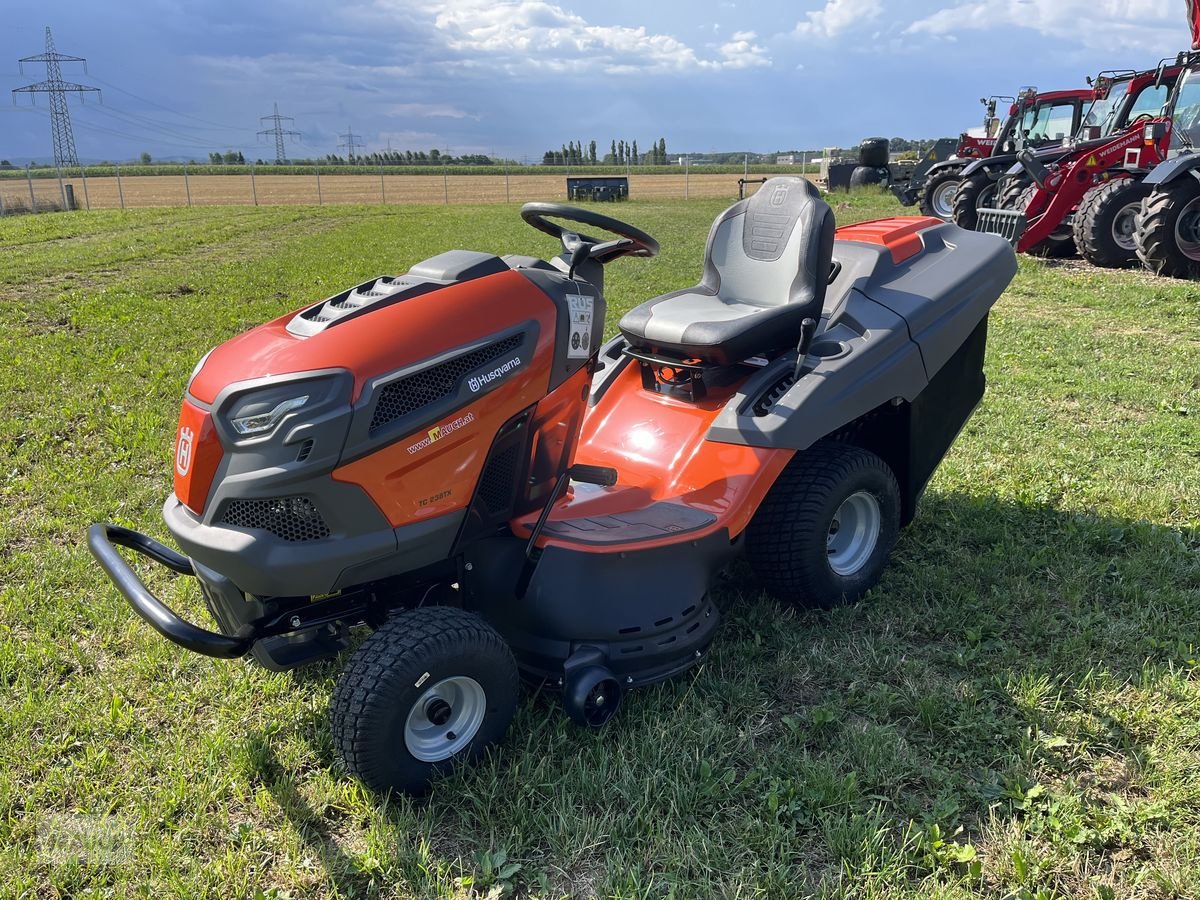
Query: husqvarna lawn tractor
452,458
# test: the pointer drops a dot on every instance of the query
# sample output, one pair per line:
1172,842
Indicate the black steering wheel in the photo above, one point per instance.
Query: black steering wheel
630,241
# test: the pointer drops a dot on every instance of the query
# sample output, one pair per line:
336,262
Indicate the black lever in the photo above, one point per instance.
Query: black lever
578,256
808,328
605,476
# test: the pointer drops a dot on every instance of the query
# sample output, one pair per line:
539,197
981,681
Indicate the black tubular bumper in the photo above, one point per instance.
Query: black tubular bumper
103,541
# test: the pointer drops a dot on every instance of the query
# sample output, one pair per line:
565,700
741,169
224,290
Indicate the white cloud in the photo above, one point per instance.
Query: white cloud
536,34
740,52
838,16
428,111
1157,25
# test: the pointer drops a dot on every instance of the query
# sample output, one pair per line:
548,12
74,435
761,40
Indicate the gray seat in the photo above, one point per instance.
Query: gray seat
766,266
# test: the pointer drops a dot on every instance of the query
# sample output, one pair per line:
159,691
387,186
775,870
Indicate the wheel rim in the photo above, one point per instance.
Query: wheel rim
943,199
853,533
445,719
986,196
1187,230
1124,231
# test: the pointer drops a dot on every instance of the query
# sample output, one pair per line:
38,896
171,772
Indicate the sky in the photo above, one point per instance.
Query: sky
517,77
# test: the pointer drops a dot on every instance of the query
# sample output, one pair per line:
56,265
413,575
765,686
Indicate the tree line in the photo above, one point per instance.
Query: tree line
621,153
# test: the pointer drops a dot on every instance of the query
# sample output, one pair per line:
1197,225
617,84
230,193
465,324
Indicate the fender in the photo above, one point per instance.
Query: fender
1172,169
944,166
992,165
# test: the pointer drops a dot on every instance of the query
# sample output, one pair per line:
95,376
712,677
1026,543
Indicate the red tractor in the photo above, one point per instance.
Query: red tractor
1087,194
1167,226
1032,119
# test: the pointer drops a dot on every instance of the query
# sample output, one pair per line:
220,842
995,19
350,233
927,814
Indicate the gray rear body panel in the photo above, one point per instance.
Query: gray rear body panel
896,324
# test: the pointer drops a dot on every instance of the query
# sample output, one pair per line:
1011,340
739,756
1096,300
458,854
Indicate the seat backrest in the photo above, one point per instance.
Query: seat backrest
774,248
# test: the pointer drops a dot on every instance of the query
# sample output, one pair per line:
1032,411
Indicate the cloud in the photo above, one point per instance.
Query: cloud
527,35
1097,24
838,16
740,52
428,111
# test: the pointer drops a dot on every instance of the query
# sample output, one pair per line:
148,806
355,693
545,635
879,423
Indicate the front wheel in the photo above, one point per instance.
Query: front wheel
432,686
937,199
823,534
1104,223
1168,229
974,193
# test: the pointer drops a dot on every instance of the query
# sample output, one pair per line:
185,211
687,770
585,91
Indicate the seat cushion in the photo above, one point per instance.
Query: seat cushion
697,324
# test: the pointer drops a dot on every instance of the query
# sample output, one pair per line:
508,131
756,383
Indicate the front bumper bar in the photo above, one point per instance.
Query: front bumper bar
103,541
1010,224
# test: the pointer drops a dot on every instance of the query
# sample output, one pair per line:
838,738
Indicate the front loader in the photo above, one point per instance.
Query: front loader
1087,194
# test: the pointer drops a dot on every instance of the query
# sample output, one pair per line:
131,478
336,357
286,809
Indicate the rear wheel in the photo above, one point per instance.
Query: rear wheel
431,687
937,199
1168,229
1011,189
975,192
826,528
1105,223
1059,244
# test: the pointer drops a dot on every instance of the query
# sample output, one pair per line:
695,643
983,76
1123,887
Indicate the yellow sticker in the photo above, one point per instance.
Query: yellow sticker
1092,161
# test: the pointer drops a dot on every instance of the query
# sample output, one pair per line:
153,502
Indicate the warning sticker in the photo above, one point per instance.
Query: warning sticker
579,341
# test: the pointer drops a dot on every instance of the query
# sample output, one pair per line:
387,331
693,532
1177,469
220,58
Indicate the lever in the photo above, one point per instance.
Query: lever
578,256
808,328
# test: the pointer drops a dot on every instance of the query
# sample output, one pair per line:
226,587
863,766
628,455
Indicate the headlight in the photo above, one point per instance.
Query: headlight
260,421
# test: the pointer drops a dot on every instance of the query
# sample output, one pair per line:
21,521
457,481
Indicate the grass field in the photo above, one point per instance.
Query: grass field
203,189
1013,712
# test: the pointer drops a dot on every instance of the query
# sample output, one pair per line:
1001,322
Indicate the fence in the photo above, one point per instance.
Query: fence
125,189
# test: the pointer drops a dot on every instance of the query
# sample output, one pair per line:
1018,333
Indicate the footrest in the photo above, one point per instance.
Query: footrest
1008,223
655,521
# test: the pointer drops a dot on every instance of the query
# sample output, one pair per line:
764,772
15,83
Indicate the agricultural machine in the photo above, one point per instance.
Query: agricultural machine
1087,193
1167,226
1032,118
454,458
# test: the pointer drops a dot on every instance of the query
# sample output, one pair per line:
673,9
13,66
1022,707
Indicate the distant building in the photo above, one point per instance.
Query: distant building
787,159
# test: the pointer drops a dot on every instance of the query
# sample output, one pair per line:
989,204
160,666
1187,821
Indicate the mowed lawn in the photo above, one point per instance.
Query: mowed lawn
1013,712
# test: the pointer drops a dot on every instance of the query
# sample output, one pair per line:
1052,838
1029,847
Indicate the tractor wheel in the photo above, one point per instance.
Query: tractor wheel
1058,245
432,687
937,199
1011,189
1104,223
824,532
864,176
1168,229
975,192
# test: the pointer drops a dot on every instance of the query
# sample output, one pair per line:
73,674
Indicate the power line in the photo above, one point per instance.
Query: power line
169,110
279,132
350,140
60,116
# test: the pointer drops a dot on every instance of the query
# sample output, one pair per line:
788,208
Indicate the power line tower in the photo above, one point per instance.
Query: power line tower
279,132
60,116
349,141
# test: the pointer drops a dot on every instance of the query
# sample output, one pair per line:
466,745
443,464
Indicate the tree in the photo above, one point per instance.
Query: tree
615,159
662,151
145,157
592,152
636,158
435,154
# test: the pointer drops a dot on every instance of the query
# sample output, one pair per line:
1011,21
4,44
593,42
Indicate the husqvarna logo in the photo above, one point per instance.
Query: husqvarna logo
779,195
183,451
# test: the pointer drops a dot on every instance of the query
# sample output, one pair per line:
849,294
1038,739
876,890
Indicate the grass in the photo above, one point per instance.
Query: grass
1013,712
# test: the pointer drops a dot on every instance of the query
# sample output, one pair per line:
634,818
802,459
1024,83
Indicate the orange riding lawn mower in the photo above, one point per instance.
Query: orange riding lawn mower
454,459
1129,195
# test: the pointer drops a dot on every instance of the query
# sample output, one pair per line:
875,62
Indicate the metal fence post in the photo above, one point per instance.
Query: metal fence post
87,201
1,204
29,176
445,186
120,190
62,191
253,189
507,196
317,169
186,186
686,162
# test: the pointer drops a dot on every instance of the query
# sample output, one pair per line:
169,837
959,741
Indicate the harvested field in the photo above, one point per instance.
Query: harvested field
141,191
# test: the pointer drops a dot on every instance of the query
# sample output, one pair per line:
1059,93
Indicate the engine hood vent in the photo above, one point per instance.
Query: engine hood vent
436,272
